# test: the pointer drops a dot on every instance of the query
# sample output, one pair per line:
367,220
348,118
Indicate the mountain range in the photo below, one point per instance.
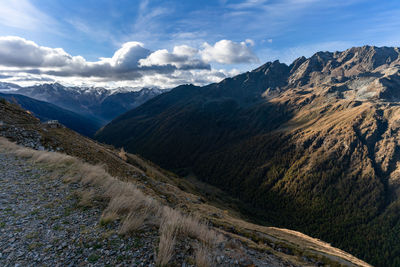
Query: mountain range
97,103
90,186
46,111
312,146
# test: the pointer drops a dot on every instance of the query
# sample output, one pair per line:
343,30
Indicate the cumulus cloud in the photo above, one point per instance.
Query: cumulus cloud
229,52
128,56
184,50
18,52
182,57
132,62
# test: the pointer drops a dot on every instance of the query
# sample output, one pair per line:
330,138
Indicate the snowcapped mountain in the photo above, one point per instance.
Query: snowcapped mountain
4,87
96,102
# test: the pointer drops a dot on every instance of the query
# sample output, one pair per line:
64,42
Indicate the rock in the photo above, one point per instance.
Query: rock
245,262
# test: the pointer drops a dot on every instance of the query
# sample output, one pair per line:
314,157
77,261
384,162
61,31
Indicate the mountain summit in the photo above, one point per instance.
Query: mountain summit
311,146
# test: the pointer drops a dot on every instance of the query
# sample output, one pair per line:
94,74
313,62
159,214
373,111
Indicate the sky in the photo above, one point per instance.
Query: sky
165,43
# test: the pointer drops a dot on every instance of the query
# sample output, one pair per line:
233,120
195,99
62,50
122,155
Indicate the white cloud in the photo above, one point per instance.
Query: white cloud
18,52
22,61
247,4
128,56
184,50
182,57
228,52
249,42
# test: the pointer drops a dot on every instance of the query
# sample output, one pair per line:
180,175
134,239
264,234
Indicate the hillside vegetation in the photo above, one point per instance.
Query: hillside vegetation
312,146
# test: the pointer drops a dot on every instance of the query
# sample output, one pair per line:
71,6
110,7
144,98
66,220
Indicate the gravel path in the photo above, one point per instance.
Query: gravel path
42,225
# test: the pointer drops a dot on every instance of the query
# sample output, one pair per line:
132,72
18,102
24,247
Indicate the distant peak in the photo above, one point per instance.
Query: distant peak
57,84
296,63
270,65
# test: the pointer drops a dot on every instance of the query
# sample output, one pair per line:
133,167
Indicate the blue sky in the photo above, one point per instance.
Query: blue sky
220,38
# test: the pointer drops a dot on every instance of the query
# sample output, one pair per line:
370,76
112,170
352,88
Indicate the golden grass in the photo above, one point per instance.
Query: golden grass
134,221
203,257
165,248
122,154
107,218
322,247
169,226
174,224
193,227
86,198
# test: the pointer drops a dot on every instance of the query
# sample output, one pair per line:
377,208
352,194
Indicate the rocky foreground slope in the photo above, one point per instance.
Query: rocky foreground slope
312,146
42,223
56,208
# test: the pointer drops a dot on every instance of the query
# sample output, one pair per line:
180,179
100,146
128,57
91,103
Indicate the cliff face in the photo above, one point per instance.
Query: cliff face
312,146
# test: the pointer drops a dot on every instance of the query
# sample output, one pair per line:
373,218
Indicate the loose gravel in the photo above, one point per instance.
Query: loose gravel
41,224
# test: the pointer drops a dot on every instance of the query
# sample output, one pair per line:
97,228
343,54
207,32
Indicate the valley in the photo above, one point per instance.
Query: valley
311,146
229,133
72,168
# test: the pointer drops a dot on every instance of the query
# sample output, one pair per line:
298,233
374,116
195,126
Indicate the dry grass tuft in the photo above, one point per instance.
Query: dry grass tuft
193,227
203,257
107,218
232,244
86,198
7,145
122,154
165,248
93,174
169,226
134,221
